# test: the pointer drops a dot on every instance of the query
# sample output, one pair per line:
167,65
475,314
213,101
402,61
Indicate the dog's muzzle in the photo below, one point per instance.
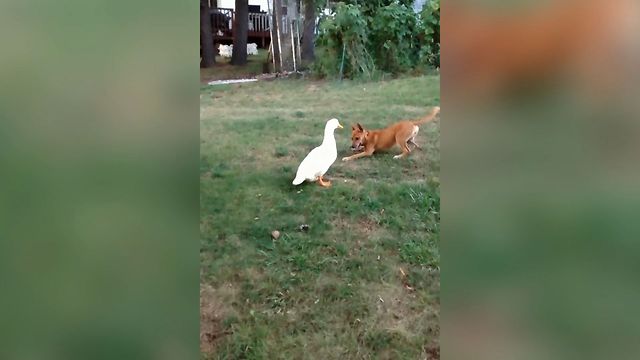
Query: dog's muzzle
357,148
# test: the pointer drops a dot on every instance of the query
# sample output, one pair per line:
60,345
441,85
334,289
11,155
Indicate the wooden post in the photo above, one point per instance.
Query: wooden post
273,56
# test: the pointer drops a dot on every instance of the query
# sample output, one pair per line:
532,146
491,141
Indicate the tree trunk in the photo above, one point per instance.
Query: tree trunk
308,35
208,58
275,49
240,33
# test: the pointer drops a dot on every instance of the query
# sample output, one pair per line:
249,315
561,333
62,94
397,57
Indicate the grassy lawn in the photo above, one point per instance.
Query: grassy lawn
223,70
335,291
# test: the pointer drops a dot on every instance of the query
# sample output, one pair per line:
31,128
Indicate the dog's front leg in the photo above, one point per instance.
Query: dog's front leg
358,155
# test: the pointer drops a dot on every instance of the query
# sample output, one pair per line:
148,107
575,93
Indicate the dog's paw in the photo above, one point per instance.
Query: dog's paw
397,157
345,159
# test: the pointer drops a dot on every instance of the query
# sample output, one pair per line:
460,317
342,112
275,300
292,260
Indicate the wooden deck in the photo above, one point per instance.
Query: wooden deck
222,24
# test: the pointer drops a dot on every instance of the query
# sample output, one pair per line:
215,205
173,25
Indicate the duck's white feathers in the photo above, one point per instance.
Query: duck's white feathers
316,164
319,160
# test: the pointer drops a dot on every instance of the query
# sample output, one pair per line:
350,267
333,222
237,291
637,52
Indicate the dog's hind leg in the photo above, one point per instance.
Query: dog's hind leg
405,151
412,141
403,140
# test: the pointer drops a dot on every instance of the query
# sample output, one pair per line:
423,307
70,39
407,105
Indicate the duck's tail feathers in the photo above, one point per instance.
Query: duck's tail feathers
298,180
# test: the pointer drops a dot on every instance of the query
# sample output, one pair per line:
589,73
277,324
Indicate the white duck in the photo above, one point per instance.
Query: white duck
319,160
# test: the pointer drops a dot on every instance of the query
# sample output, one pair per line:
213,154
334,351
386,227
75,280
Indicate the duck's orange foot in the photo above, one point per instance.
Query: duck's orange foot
323,183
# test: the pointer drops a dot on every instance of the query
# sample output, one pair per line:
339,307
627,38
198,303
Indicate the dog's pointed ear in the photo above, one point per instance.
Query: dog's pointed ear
353,127
360,127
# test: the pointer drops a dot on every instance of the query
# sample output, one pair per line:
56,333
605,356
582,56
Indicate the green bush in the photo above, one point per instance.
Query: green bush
430,36
368,37
394,38
342,42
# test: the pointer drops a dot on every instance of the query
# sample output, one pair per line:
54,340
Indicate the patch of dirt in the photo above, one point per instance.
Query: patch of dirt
206,223
315,84
432,352
223,70
368,226
412,110
254,274
341,179
402,311
363,231
393,306
362,228
214,309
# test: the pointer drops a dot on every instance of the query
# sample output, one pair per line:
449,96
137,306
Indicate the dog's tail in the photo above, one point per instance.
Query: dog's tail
432,115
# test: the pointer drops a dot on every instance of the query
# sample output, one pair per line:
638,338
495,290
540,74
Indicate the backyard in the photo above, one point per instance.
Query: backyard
362,279
223,69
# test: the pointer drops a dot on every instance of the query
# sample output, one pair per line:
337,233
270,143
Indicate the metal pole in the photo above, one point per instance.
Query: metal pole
271,49
276,5
344,48
298,31
293,48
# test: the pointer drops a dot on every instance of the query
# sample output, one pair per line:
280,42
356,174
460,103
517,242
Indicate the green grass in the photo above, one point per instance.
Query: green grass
223,69
317,294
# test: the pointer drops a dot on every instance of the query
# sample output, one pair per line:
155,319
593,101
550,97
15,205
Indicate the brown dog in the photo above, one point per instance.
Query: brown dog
547,41
402,133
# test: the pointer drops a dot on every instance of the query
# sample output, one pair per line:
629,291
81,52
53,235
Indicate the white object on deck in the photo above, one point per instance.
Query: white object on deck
227,50
252,49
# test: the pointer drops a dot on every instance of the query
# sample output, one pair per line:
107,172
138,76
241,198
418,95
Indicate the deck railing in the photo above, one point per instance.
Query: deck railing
222,20
258,22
